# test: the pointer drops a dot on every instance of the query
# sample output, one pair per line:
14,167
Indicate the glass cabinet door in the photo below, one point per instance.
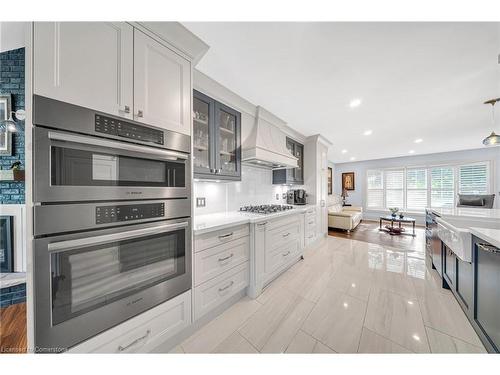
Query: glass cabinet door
299,154
290,172
227,143
201,133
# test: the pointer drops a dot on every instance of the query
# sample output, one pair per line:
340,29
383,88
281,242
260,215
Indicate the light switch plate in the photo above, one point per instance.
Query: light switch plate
200,202
277,197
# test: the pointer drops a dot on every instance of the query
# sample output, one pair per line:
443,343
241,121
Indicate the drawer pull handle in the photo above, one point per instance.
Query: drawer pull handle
287,253
311,236
122,348
225,236
226,258
311,222
262,224
488,248
226,287
286,234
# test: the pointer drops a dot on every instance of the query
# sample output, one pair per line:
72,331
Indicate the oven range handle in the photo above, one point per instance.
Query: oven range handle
117,145
99,240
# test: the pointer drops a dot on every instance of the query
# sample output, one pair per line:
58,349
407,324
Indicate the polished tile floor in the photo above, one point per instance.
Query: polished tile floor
346,296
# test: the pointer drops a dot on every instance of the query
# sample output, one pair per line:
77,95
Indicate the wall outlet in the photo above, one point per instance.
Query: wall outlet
200,202
277,197
284,195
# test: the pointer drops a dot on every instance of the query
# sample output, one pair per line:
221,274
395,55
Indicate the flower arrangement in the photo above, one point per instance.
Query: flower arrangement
394,210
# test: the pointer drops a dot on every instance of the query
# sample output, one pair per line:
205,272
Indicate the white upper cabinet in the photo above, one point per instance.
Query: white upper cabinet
162,85
86,63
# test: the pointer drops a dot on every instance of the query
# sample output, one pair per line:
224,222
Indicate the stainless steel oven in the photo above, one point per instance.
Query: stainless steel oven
84,155
112,220
126,258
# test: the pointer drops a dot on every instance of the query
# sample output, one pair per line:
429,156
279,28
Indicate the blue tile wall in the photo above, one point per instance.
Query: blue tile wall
12,81
12,295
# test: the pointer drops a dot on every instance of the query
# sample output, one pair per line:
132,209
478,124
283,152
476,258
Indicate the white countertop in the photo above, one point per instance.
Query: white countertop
490,235
12,279
210,222
465,212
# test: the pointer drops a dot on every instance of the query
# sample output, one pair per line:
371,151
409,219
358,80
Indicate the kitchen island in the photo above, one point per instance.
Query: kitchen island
465,250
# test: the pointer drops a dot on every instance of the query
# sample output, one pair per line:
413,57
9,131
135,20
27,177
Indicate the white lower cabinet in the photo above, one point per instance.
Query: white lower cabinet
218,290
310,226
278,244
144,332
221,267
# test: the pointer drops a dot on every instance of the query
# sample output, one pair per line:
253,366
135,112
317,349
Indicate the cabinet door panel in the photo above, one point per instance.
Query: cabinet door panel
162,85
203,118
85,63
227,142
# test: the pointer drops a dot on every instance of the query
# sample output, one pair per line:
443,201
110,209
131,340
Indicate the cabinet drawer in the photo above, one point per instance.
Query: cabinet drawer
284,221
310,238
216,260
218,290
218,237
279,257
311,212
143,332
277,237
310,224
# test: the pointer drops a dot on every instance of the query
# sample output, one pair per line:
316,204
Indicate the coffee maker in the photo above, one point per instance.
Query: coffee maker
296,197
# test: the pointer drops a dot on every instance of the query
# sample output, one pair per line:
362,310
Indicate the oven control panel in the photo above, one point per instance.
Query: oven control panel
113,214
120,128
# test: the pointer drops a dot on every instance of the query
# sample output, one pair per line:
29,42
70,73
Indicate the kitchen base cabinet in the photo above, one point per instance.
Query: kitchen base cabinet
221,267
276,245
487,294
144,332
449,266
464,283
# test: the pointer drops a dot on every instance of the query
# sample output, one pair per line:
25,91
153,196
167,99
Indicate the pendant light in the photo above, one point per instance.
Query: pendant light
493,139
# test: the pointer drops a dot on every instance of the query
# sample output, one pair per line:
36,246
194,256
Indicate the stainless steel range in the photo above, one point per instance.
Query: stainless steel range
111,221
266,208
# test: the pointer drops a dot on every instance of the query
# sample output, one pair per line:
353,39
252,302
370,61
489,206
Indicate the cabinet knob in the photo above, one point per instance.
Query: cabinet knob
140,113
125,109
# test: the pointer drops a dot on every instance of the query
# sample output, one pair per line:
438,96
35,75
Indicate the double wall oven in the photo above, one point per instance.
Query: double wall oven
111,220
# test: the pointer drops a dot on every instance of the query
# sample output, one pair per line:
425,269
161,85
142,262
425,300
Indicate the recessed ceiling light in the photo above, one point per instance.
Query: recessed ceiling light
355,103
344,151
418,140
352,158
411,151
367,132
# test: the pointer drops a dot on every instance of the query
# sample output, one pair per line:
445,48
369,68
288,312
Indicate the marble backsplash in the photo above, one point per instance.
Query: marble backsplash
256,187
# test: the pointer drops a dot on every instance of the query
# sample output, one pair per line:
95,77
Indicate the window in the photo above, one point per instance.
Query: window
442,187
416,189
394,188
375,189
473,179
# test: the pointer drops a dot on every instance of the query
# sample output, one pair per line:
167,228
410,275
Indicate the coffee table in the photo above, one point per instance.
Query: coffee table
398,230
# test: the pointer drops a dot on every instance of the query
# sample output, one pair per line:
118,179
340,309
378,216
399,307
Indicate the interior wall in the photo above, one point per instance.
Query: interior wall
358,196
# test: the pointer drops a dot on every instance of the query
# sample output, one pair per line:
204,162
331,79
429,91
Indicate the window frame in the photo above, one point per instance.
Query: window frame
490,182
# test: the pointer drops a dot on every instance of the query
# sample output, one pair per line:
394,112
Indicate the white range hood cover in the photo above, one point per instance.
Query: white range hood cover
266,145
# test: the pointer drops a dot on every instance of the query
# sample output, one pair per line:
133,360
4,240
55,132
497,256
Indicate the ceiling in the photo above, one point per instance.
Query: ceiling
415,80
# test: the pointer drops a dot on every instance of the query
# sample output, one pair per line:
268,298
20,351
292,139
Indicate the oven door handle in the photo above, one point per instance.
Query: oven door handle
106,238
116,145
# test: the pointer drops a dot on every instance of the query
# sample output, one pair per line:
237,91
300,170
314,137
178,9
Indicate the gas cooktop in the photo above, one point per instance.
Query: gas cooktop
266,208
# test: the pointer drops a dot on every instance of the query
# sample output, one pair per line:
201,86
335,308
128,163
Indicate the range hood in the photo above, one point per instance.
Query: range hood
265,147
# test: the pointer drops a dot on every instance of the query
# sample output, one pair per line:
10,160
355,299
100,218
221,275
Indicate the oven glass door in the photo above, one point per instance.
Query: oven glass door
73,165
89,273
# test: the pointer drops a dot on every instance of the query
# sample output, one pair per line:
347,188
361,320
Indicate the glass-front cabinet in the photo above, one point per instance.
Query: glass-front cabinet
293,176
216,139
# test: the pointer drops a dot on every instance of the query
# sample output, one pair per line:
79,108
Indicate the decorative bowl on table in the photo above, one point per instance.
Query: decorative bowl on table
394,211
